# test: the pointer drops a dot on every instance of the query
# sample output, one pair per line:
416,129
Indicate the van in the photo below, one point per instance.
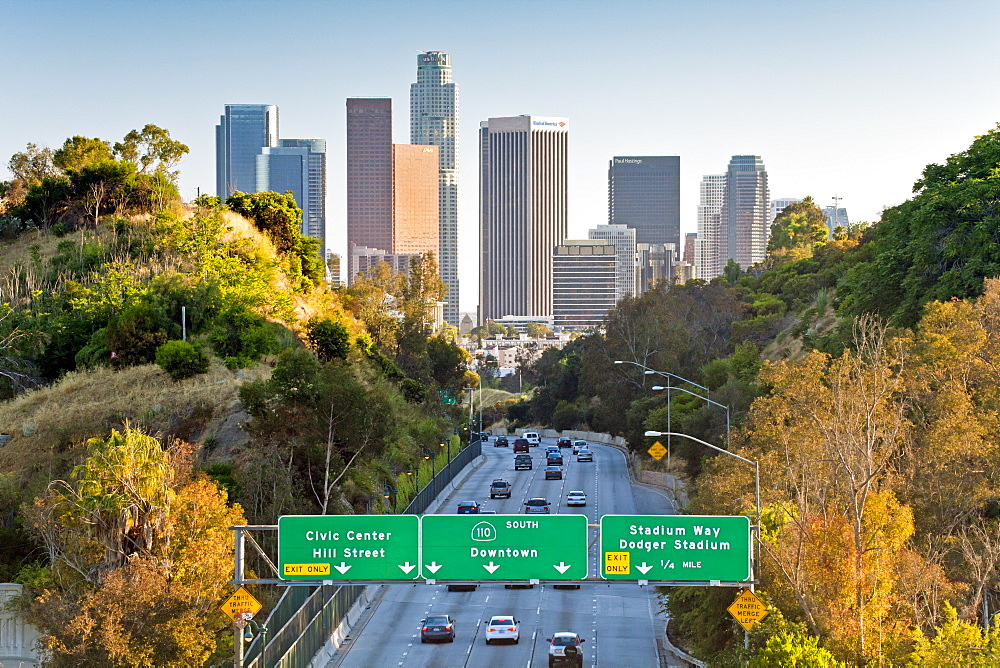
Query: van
532,437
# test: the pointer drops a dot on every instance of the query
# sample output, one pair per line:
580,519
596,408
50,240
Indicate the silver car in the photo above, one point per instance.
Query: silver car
536,506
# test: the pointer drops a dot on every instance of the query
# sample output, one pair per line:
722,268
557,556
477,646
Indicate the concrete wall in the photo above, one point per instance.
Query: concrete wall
17,639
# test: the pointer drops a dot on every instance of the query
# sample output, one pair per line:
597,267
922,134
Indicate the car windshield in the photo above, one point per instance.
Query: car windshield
576,494
502,620
538,502
437,619
564,641
466,504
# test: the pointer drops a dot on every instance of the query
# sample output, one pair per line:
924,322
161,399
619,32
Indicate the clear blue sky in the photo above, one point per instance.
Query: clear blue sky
839,98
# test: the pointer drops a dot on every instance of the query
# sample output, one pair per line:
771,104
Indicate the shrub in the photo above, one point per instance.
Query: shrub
181,359
330,339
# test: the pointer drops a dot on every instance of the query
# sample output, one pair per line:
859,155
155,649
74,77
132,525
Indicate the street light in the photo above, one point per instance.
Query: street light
647,371
427,455
756,485
714,403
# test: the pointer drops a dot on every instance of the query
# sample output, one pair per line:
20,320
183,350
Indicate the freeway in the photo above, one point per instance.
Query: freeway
620,622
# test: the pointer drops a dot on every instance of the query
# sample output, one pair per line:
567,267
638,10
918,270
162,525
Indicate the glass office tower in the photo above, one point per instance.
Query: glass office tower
644,194
243,130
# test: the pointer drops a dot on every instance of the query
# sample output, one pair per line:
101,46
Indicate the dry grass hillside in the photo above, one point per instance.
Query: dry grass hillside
48,426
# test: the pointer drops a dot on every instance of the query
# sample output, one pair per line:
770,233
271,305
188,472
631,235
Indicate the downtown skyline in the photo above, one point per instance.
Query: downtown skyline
849,99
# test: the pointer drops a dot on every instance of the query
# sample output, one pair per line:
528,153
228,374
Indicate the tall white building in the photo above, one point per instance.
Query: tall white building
522,212
434,120
709,242
778,205
623,238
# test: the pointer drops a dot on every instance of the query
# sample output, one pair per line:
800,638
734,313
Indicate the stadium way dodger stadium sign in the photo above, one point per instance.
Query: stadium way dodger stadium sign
675,547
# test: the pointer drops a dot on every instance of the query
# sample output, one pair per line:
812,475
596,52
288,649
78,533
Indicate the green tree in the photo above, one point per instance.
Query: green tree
181,359
797,230
329,338
153,148
274,214
937,245
537,330
77,152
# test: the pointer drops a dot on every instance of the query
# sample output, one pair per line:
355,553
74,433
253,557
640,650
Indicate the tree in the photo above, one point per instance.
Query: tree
797,230
150,546
329,338
151,147
78,152
937,245
537,330
274,214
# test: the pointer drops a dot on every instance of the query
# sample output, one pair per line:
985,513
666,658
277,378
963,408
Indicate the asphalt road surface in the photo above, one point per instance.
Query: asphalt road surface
620,622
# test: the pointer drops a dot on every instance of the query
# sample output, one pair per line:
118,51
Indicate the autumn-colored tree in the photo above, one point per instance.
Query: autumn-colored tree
140,554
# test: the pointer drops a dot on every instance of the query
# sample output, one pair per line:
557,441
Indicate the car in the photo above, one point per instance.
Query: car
551,448
500,488
522,462
554,459
462,587
521,445
468,507
502,628
564,442
553,473
501,442
585,455
565,648
485,437
576,498
437,627
532,437
536,506
578,445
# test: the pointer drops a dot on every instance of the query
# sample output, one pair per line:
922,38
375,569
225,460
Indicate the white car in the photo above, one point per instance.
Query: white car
502,628
564,648
576,498
579,445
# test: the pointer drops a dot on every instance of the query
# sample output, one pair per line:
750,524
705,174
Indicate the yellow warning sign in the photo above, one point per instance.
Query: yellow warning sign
616,563
747,609
657,451
307,569
241,601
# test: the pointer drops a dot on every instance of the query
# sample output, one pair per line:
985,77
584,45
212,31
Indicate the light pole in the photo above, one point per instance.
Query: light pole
714,403
647,371
427,455
755,554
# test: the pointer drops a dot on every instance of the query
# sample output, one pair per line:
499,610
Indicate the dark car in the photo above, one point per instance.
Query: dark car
536,506
522,462
553,473
521,445
501,442
564,442
468,507
554,459
500,488
437,627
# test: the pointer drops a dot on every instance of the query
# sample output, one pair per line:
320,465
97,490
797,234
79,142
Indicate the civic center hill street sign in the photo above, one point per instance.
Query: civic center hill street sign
675,547
504,547
348,547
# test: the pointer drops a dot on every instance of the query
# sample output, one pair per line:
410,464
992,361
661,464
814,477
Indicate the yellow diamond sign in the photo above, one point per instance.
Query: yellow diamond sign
747,609
657,451
241,601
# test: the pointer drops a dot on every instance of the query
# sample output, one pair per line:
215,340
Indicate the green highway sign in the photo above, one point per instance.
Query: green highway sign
348,547
675,547
504,547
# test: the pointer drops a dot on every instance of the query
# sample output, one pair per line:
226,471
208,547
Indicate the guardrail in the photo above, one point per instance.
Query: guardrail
303,620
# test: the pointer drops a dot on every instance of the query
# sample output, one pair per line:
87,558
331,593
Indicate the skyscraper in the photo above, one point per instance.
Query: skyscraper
708,246
434,120
298,165
733,217
414,199
836,217
369,174
522,212
243,130
778,205
644,193
745,210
